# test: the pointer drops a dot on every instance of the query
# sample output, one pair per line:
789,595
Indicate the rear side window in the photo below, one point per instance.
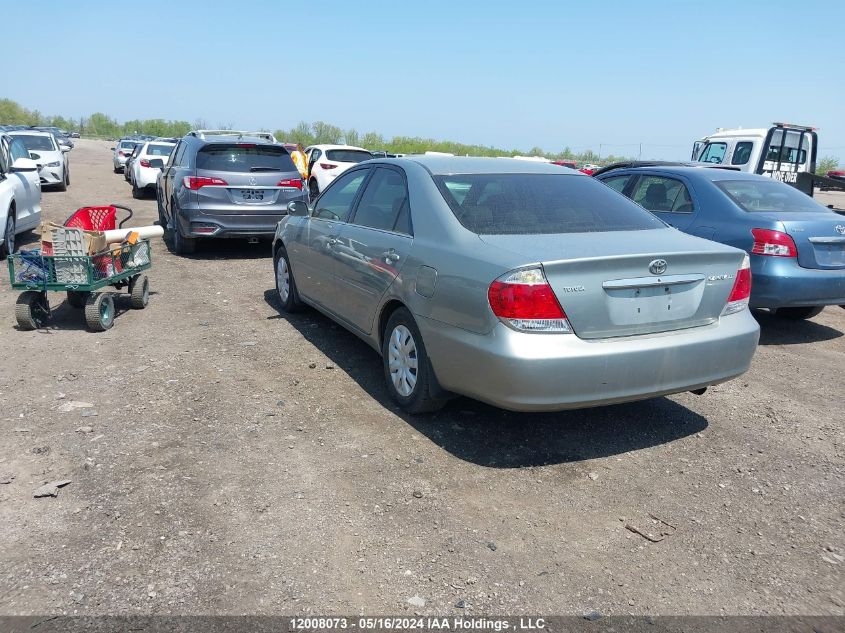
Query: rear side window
244,157
384,203
348,155
531,204
714,153
742,153
662,194
159,149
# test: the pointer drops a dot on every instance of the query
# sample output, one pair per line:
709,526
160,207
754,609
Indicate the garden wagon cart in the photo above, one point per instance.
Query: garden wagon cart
82,277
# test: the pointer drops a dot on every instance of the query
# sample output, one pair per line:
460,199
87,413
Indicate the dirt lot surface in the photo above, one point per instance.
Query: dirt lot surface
233,460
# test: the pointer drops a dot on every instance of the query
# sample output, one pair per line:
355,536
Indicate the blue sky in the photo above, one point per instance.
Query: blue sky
547,73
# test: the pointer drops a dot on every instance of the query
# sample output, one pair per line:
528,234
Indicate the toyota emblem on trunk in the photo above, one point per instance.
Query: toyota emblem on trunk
252,180
839,229
657,267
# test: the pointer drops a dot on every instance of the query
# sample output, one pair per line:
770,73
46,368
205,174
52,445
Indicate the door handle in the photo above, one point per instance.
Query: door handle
391,256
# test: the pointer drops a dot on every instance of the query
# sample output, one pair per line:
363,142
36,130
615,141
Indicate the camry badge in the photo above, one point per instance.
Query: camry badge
839,229
658,267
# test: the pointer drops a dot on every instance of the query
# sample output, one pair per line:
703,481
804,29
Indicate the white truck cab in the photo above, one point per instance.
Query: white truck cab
781,151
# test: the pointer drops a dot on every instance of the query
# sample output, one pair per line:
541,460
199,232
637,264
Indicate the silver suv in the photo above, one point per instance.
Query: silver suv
222,183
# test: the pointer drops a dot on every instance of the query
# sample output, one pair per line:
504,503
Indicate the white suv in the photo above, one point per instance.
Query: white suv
142,175
327,162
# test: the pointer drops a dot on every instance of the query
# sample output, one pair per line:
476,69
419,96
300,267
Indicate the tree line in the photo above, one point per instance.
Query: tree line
102,125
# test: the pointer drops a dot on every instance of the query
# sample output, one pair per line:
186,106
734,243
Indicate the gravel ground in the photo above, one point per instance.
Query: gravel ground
224,459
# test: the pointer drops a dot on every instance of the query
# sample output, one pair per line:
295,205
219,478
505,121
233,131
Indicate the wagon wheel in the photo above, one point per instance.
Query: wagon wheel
139,291
99,311
77,298
32,310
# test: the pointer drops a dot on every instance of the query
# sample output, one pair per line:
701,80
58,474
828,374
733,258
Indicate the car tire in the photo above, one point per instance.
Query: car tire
183,245
161,219
99,311
67,177
8,246
137,193
285,283
407,369
799,314
117,170
62,186
313,189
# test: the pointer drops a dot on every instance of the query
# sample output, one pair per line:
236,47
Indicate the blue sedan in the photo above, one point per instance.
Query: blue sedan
796,245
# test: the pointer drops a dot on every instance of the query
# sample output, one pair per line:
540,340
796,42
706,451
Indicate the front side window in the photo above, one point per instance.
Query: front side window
662,194
742,153
384,202
713,153
17,150
533,204
336,201
617,183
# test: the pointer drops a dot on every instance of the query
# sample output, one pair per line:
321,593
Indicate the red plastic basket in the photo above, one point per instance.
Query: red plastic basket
93,219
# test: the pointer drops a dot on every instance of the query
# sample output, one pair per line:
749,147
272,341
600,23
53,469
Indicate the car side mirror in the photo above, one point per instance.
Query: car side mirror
112,149
157,163
65,148
24,164
298,208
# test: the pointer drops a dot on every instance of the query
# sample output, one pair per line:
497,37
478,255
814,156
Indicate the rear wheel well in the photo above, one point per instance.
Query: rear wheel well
389,308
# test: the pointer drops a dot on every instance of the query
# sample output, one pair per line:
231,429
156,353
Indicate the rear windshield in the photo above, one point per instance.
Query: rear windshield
767,195
159,150
244,157
525,204
348,155
34,143
127,144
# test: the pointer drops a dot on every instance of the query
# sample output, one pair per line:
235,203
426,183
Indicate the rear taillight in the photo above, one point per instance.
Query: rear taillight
525,301
121,154
296,183
327,165
773,243
195,182
741,292
145,163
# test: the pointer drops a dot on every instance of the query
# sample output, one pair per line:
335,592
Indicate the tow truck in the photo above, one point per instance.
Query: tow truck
783,151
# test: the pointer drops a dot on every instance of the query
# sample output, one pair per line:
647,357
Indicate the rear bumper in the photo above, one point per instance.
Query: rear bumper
146,177
778,282
537,372
227,225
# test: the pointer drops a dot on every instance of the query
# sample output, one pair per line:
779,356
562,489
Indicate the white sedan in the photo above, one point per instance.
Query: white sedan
51,157
20,193
142,176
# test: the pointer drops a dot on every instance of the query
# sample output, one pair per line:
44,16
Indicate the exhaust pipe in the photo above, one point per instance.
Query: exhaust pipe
698,392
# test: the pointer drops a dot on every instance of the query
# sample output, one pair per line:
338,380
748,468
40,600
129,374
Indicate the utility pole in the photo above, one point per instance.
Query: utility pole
641,152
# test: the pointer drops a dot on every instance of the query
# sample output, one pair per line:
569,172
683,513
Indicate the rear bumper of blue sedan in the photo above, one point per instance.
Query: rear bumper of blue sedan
550,372
779,282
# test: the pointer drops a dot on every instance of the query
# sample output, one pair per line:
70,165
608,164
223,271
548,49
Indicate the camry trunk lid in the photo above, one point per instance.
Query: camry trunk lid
819,238
626,283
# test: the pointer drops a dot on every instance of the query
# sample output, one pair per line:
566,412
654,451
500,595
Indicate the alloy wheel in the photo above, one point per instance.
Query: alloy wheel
283,279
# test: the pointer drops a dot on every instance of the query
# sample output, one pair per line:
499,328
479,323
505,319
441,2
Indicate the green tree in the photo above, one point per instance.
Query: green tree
826,164
326,133
351,137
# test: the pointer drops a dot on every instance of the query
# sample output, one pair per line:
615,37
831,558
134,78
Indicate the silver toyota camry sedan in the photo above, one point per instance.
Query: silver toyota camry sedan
527,286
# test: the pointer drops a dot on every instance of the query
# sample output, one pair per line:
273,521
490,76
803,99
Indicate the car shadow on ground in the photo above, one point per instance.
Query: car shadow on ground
491,437
225,248
775,330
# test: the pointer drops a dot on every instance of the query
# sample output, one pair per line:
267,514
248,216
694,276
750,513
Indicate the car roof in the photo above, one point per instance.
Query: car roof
328,147
229,140
701,172
30,133
441,165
